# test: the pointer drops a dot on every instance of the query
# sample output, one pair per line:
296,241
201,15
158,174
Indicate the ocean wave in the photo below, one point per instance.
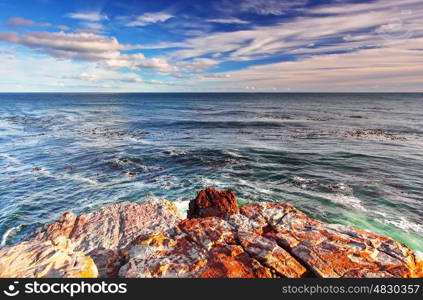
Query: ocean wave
339,198
400,222
11,159
73,177
175,152
199,157
233,154
224,124
346,200
256,188
406,225
209,182
9,233
313,184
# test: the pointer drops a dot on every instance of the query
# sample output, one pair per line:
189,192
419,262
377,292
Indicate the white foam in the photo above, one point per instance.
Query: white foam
206,182
176,152
403,224
9,232
11,159
303,182
346,200
255,187
74,177
182,207
233,154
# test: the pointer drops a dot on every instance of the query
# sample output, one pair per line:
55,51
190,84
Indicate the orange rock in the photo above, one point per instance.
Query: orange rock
262,240
330,250
37,259
213,203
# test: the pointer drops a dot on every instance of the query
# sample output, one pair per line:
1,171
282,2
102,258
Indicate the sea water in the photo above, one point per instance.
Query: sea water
353,159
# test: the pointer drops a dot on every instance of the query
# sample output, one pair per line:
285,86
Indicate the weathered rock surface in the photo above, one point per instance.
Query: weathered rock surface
330,250
196,248
213,203
218,240
53,258
105,234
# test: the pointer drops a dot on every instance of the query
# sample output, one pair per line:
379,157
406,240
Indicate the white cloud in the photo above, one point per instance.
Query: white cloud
376,28
102,75
260,7
150,18
17,21
21,72
10,37
92,26
88,16
228,21
394,68
88,47
198,65
83,46
63,27
158,64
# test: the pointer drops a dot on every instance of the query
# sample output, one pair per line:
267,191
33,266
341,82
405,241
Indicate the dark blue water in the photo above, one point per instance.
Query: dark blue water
355,159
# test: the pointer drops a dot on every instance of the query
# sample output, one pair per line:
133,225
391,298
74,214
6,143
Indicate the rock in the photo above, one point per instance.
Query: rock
332,250
271,255
53,258
263,240
213,203
105,233
418,270
197,248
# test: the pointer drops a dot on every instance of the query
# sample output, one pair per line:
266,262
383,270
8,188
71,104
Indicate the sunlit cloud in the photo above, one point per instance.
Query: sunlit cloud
149,18
87,16
18,21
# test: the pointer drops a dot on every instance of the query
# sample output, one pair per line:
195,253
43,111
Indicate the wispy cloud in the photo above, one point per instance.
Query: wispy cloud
149,18
364,68
88,16
368,28
17,21
228,21
260,7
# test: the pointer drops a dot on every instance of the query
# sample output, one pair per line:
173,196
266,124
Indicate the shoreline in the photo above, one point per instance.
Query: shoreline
218,239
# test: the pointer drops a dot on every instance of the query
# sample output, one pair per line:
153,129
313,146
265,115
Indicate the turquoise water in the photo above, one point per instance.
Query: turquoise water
355,159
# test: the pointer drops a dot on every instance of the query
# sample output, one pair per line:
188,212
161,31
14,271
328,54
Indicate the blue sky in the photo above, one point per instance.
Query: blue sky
220,45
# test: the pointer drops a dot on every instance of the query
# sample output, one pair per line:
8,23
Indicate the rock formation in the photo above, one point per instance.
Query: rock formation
148,239
213,203
53,258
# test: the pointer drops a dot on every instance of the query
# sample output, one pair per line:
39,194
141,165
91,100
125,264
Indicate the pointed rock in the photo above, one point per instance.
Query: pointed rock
213,203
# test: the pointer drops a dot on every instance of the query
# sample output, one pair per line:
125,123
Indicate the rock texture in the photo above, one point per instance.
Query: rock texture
213,203
105,234
217,240
53,258
330,250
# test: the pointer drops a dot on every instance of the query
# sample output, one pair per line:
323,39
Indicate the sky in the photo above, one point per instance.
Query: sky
211,46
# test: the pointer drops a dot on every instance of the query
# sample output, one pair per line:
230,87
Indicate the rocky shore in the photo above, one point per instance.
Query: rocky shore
218,239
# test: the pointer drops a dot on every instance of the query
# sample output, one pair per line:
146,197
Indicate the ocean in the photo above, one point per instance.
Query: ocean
353,159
